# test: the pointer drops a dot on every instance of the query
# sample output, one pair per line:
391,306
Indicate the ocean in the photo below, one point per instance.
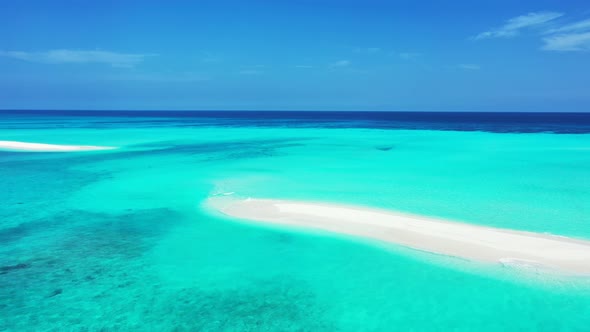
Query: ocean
121,240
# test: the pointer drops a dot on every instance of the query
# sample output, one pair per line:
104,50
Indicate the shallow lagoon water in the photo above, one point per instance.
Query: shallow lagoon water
121,240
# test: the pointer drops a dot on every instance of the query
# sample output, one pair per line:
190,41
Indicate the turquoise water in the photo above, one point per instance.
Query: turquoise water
120,240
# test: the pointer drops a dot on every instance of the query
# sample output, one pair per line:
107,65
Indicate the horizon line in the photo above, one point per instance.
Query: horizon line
274,111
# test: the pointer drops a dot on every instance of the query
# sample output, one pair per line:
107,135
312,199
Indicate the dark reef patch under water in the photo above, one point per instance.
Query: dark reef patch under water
90,259
34,186
101,263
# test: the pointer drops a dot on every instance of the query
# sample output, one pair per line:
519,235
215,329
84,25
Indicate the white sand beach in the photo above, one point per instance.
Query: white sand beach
41,147
472,242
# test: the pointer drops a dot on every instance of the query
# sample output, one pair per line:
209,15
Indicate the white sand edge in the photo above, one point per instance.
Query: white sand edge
472,242
41,147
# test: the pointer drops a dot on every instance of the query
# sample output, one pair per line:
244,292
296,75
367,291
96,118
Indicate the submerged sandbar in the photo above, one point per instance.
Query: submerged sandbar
42,147
473,242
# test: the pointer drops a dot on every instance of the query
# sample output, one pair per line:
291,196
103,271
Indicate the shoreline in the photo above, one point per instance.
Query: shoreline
438,236
42,147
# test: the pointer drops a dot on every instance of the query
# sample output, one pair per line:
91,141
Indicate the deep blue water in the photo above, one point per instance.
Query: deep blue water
501,122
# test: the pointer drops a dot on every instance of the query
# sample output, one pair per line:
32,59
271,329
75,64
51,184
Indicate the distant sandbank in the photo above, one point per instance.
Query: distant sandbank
41,147
472,242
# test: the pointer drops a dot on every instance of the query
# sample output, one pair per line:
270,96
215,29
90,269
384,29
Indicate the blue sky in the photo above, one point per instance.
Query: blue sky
461,55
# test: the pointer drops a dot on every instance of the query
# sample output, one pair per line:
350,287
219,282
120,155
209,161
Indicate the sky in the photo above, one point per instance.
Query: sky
414,55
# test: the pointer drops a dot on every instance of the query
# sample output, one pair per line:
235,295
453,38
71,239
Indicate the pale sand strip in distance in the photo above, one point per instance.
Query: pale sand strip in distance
472,242
41,147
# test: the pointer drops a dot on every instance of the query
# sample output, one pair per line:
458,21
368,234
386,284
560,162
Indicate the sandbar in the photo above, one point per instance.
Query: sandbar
42,147
439,236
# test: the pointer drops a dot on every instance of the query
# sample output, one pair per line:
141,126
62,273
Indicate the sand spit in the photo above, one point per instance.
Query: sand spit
41,147
473,242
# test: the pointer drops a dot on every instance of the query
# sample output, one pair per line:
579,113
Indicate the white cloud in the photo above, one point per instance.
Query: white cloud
469,66
514,25
568,42
573,36
572,27
341,63
76,56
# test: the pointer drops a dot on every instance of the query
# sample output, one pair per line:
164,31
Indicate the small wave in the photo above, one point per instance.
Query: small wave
224,193
521,263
